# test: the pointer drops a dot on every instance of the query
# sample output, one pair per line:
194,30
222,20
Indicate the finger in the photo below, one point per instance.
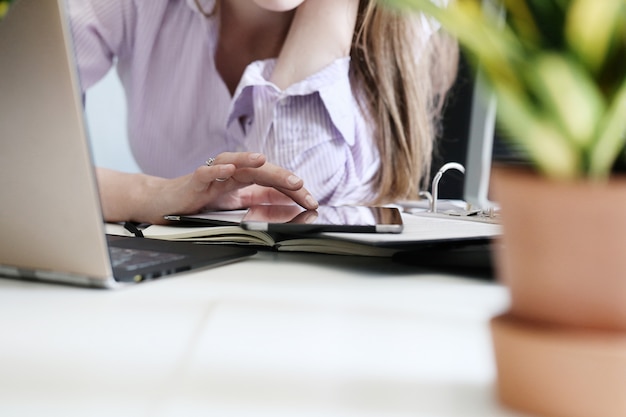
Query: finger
280,179
240,159
302,197
256,194
206,176
269,175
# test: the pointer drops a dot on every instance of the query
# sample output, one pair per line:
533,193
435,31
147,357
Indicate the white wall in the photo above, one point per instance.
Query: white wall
106,121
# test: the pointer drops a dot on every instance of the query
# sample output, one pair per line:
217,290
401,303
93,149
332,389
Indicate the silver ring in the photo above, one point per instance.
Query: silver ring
209,162
221,179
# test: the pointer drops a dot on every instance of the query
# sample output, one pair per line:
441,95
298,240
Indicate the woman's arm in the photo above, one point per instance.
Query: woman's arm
144,198
320,33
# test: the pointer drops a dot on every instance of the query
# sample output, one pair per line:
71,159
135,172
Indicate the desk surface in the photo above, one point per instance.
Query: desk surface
274,335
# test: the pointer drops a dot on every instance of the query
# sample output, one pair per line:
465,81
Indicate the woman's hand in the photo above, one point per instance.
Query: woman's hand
233,181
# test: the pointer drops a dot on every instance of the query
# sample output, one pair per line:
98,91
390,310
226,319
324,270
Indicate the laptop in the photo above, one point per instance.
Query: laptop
51,224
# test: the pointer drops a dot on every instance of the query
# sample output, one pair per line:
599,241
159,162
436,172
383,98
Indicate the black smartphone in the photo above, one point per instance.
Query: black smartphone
295,219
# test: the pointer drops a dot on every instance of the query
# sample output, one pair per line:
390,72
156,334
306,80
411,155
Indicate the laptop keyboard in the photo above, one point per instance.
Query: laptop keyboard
134,259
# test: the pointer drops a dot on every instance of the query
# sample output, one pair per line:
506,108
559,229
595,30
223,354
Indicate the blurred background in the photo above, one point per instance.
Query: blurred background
106,119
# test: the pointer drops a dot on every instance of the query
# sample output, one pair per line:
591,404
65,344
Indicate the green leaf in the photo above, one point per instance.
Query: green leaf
545,144
611,137
521,19
592,27
558,69
4,7
570,96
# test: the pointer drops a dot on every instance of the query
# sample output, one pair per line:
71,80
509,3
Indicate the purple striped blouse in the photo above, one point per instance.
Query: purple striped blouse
180,111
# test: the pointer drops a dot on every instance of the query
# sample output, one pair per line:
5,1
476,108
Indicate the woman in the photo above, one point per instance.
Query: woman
324,88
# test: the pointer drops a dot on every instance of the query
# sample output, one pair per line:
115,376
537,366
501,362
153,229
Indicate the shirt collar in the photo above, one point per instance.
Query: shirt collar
207,5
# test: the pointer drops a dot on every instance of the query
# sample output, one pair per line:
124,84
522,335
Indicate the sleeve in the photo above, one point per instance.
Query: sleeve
101,32
314,128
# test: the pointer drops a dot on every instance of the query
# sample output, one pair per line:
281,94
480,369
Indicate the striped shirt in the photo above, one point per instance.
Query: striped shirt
180,112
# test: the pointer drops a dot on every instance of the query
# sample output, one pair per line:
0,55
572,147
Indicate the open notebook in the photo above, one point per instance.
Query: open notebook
51,225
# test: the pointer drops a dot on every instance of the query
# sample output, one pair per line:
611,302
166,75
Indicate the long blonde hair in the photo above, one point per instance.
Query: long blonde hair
402,79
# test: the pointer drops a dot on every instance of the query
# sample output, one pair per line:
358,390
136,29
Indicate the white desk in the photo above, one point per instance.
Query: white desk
274,335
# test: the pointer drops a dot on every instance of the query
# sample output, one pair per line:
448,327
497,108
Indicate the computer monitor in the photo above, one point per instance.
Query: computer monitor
486,144
462,165
480,146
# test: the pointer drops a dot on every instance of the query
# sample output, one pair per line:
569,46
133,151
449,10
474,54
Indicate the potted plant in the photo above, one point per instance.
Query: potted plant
557,69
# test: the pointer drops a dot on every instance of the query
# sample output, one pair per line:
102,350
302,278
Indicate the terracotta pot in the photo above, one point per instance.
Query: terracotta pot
563,252
555,371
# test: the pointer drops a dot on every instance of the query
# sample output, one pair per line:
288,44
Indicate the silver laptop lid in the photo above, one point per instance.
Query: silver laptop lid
50,216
